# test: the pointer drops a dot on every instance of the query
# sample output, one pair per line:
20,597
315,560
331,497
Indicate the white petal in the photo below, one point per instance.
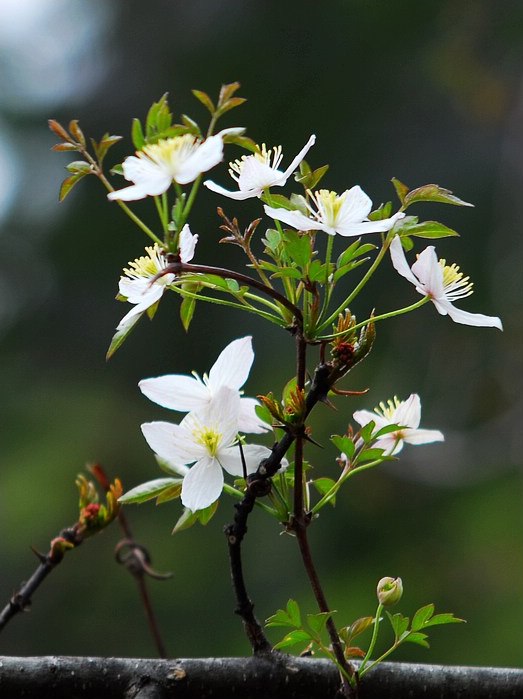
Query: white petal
476,319
165,439
294,218
202,485
220,414
297,160
390,443
258,175
356,205
352,228
363,417
176,392
187,244
428,270
149,179
423,436
233,365
238,195
408,414
231,461
205,157
248,421
147,300
399,261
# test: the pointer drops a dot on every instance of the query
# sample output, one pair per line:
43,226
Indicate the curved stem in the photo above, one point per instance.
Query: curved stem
332,318
383,316
372,641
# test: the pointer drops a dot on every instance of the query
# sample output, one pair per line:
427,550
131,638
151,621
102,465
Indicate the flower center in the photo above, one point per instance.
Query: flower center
454,283
208,438
329,205
388,409
147,266
171,152
264,157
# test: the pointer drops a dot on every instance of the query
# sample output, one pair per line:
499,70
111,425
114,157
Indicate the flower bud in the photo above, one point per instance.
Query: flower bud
389,591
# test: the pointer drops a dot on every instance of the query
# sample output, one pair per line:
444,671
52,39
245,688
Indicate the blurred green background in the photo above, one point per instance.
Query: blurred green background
426,92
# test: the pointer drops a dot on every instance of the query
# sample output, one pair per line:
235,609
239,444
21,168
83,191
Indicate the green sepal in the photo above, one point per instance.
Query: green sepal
121,335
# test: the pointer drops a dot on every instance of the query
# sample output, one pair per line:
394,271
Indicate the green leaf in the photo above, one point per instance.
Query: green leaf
277,201
386,430
317,621
317,272
353,251
230,104
293,612
289,387
227,91
298,248
187,308
287,273
204,98
137,134
432,230
280,618
264,414
342,271
272,239
367,430
399,623
121,335
422,616
419,638
79,167
433,192
383,211
359,626
101,148
401,189
242,141
293,638
69,183
323,486
371,455
149,490
445,618
310,180
344,444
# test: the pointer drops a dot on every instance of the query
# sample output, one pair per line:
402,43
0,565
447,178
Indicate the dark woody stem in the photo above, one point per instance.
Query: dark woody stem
299,524
177,267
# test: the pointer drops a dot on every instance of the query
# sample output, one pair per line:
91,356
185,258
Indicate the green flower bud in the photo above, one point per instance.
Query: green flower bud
389,591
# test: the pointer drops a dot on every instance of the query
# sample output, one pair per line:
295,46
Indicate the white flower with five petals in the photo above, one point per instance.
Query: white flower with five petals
257,172
180,159
190,393
206,439
441,283
345,214
406,414
137,285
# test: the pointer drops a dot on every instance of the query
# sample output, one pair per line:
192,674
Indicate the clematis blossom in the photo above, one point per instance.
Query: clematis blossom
441,283
257,172
137,285
406,414
205,438
345,214
180,159
191,393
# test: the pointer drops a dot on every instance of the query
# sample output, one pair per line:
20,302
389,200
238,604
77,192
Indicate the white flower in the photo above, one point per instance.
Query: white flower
345,214
407,415
181,158
205,438
255,173
441,283
137,287
186,393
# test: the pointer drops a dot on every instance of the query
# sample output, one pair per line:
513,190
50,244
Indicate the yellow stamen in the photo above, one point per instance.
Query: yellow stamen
170,151
208,438
147,266
453,279
388,409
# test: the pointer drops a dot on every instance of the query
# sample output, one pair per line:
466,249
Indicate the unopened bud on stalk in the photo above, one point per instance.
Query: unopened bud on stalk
389,591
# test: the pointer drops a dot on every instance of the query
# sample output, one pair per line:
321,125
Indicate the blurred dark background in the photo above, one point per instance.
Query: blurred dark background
426,92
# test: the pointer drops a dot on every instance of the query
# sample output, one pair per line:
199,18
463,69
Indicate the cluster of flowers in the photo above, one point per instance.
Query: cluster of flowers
208,437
